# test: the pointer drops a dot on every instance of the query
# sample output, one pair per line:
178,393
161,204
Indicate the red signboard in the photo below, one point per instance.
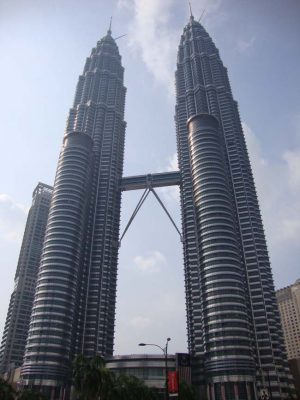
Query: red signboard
173,382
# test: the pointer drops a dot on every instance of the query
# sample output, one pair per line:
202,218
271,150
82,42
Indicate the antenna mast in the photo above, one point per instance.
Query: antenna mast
191,12
110,22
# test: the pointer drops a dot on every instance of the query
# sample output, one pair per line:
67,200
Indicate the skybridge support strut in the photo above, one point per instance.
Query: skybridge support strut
136,210
139,205
167,212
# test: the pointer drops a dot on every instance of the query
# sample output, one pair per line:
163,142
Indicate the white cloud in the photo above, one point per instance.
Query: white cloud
291,229
172,163
279,196
151,262
124,4
170,194
292,159
12,219
153,37
278,187
296,124
244,45
140,322
10,203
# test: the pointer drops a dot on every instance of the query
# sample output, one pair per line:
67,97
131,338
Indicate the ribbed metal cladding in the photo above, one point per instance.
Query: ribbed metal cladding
74,308
202,86
50,343
224,312
98,111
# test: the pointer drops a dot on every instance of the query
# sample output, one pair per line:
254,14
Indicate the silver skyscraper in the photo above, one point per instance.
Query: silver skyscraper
74,305
233,320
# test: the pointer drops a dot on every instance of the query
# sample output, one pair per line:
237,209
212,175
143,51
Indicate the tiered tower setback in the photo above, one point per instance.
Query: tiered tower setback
74,306
226,258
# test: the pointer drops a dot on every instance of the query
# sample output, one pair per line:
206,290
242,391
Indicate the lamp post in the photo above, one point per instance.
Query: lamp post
165,352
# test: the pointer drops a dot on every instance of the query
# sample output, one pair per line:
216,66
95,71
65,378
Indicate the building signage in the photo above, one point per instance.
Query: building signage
173,386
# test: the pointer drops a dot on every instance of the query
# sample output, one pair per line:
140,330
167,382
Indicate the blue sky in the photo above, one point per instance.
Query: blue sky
43,47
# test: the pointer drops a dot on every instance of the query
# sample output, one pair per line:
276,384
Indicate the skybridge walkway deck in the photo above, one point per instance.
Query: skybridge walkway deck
150,180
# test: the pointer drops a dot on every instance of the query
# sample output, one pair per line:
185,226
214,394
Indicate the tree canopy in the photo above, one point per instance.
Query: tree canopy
93,381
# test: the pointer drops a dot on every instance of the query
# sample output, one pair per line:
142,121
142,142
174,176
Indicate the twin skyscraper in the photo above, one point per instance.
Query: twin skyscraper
234,330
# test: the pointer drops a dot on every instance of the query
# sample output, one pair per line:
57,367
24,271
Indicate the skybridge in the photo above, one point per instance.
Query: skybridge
150,180
148,183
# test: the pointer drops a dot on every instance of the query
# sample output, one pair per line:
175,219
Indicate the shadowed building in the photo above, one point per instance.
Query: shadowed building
20,305
233,320
149,368
74,306
289,307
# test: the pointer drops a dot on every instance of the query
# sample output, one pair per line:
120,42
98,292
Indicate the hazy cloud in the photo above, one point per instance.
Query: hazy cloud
244,45
292,159
140,322
170,193
172,163
12,219
205,8
151,262
11,203
153,36
278,187
291,229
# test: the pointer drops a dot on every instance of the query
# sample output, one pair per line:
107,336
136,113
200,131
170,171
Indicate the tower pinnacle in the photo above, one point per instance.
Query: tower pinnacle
191,12
109,28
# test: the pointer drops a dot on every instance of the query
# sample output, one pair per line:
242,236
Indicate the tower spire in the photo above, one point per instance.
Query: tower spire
191,12
109,28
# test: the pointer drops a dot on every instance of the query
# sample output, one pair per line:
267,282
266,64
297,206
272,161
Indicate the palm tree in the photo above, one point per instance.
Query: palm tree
107,384
91,379
6,390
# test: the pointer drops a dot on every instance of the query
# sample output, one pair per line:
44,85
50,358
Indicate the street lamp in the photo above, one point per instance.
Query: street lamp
165,352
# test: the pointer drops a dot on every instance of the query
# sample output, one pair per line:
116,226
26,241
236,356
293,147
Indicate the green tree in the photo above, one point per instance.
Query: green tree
128,387
27,394
186,391
91,379
6,390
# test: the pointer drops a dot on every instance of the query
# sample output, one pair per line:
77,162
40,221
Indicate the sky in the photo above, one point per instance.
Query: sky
43,46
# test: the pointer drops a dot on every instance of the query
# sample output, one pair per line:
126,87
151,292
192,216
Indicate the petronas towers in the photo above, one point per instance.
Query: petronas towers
234,331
